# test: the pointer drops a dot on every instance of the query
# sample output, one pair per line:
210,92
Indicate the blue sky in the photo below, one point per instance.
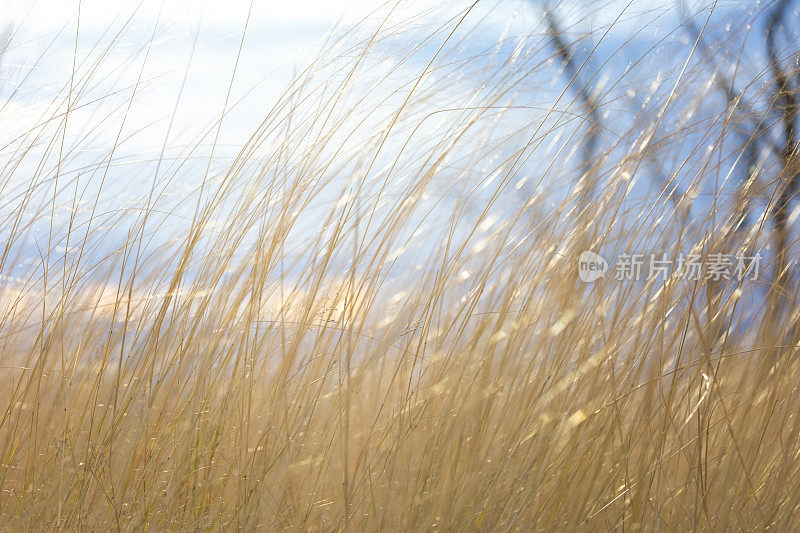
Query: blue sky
281,37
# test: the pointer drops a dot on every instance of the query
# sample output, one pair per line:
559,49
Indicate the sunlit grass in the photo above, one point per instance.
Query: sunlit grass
368,315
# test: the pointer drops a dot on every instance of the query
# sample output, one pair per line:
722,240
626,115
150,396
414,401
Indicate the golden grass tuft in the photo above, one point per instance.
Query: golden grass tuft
369,316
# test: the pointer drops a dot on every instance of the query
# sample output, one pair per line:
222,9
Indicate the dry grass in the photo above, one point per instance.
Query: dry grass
370,318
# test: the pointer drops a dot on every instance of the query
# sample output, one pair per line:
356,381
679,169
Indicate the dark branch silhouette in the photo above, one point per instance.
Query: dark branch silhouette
588,100
786,102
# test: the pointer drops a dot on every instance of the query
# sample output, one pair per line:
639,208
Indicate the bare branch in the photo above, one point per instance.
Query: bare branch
588,101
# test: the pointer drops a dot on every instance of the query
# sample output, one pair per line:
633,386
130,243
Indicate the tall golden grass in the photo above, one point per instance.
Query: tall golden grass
370,318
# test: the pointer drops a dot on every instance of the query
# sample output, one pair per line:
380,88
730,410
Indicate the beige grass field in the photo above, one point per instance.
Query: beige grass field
365,313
